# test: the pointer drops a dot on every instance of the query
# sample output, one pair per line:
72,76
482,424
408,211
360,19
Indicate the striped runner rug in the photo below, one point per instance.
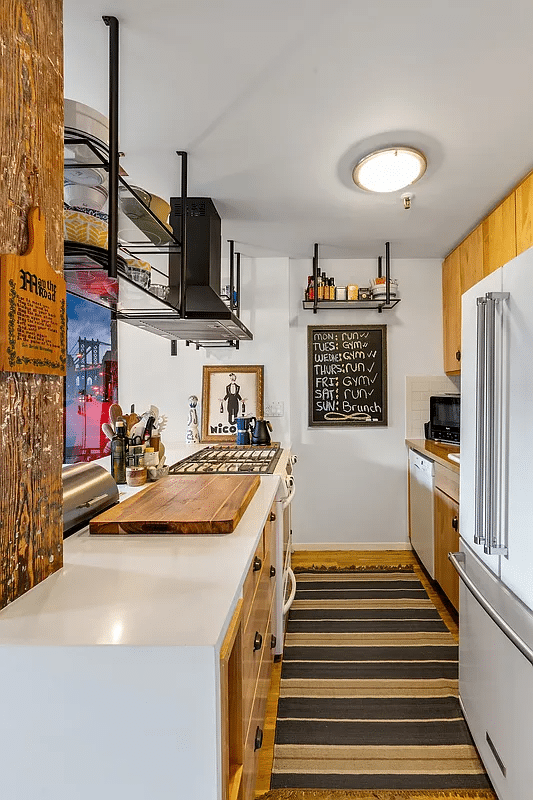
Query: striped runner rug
368,693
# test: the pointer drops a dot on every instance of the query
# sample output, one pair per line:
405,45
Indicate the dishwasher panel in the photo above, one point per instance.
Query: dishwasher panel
421,485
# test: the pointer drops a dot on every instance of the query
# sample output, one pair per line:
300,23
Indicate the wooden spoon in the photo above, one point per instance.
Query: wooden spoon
115,412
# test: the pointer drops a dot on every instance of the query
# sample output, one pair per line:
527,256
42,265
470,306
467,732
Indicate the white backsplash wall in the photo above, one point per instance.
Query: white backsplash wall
352,482
149,374
418,390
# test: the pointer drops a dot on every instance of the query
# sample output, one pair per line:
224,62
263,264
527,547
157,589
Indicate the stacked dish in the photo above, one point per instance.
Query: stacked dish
378,288
85,225
138,271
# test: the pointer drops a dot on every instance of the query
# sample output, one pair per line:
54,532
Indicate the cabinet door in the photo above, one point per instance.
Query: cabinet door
524,215
499,235
451,312
231,708
446,541
471,259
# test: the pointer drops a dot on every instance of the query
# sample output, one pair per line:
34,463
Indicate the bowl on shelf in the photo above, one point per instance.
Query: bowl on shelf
135,212
85,226
378,288
83,196
160,290
87,121
138,271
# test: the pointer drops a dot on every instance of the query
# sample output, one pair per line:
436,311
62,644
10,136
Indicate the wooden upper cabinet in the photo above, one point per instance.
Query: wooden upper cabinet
499,235
524,215
451,312
471,259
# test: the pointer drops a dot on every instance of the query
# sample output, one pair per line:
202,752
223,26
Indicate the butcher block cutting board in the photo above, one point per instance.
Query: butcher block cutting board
182,504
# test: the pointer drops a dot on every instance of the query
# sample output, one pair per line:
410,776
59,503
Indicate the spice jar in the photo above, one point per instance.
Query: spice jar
151,458
353,290
340,293
136,476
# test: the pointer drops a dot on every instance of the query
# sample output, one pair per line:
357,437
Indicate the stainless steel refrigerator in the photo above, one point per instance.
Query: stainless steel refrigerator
495,562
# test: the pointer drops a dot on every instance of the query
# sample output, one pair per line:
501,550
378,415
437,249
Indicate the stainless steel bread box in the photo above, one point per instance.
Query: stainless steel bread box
88,489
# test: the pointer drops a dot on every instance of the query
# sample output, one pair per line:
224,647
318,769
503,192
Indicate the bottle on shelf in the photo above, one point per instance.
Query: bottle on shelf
119,452
310,290
319,287
331,294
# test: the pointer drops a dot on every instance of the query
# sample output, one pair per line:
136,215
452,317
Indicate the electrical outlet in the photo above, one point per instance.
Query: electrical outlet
274,409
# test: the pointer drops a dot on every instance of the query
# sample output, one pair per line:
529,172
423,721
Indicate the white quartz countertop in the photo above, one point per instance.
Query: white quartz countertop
140,590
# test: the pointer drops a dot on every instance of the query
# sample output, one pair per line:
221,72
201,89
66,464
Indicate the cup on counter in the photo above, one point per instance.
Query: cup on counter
136,476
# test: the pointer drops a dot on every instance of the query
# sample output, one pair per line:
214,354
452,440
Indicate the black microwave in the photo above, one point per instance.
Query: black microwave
444,418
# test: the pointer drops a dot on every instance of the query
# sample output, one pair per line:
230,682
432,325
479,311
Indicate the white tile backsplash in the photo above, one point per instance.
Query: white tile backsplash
418,390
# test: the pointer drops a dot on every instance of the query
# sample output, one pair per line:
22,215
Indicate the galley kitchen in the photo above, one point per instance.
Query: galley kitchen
265,476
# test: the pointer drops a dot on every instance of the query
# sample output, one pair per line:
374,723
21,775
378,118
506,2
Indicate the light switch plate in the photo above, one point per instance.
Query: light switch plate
274,409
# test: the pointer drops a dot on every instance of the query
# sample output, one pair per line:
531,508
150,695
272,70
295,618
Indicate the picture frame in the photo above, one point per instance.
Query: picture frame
229,391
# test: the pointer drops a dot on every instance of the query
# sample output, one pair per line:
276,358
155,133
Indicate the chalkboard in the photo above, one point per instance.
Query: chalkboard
347,369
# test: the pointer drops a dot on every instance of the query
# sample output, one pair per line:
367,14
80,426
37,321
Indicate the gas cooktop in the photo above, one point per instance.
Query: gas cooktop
230,458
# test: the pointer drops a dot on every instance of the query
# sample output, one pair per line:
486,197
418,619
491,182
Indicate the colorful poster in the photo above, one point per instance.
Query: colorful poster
91,379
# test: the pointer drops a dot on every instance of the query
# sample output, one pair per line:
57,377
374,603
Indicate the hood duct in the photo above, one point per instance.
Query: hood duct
205,312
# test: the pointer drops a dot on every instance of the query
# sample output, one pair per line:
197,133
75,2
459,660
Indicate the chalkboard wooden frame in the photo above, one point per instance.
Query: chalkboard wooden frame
340,417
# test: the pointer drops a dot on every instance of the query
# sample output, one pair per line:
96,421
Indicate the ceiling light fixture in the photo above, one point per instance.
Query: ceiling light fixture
389,169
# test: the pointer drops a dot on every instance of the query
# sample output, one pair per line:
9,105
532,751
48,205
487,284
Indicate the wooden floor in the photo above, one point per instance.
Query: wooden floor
342,559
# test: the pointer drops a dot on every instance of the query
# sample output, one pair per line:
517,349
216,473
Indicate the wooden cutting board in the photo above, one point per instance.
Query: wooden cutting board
182,504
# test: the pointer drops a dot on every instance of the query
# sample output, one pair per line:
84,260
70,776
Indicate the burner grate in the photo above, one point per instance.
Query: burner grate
228,459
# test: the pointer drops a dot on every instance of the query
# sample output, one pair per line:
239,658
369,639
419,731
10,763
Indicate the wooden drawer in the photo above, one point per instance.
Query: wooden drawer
447,480
256,722
446,541
257,626
251,581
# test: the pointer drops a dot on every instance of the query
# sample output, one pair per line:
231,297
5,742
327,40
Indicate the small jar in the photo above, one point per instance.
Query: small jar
136,476
151,458
340,293
353,291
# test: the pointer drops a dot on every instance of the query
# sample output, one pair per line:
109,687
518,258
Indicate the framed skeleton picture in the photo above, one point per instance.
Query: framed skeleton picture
229,392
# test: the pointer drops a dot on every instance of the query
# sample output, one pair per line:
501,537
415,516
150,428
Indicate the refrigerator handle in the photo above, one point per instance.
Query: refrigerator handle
458,560
494,490
479,464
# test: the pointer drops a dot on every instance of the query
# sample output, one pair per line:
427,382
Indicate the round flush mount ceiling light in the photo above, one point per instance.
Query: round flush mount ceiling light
389,169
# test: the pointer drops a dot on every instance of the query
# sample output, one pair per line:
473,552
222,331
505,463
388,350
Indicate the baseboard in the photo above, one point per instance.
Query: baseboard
356,546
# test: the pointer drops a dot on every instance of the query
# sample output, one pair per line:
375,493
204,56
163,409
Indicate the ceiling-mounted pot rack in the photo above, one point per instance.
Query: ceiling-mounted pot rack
386,304
98,274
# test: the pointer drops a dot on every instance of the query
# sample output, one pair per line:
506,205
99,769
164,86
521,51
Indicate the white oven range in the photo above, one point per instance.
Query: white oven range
268,459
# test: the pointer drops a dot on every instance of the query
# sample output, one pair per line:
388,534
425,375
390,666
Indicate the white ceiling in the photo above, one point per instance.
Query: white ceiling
274,101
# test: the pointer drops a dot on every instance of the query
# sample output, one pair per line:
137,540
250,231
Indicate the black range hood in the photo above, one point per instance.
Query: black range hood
207,317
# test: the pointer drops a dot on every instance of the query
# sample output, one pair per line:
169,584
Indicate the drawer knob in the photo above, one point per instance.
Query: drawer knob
257,564
272,516
458,355
272,570
455,523
258,641
272,642
258,741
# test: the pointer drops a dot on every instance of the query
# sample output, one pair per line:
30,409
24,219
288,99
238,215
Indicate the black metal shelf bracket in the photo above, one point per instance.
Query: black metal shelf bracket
380,305
112,231
183,233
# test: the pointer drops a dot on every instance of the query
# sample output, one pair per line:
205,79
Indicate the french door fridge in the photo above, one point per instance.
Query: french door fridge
495,562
